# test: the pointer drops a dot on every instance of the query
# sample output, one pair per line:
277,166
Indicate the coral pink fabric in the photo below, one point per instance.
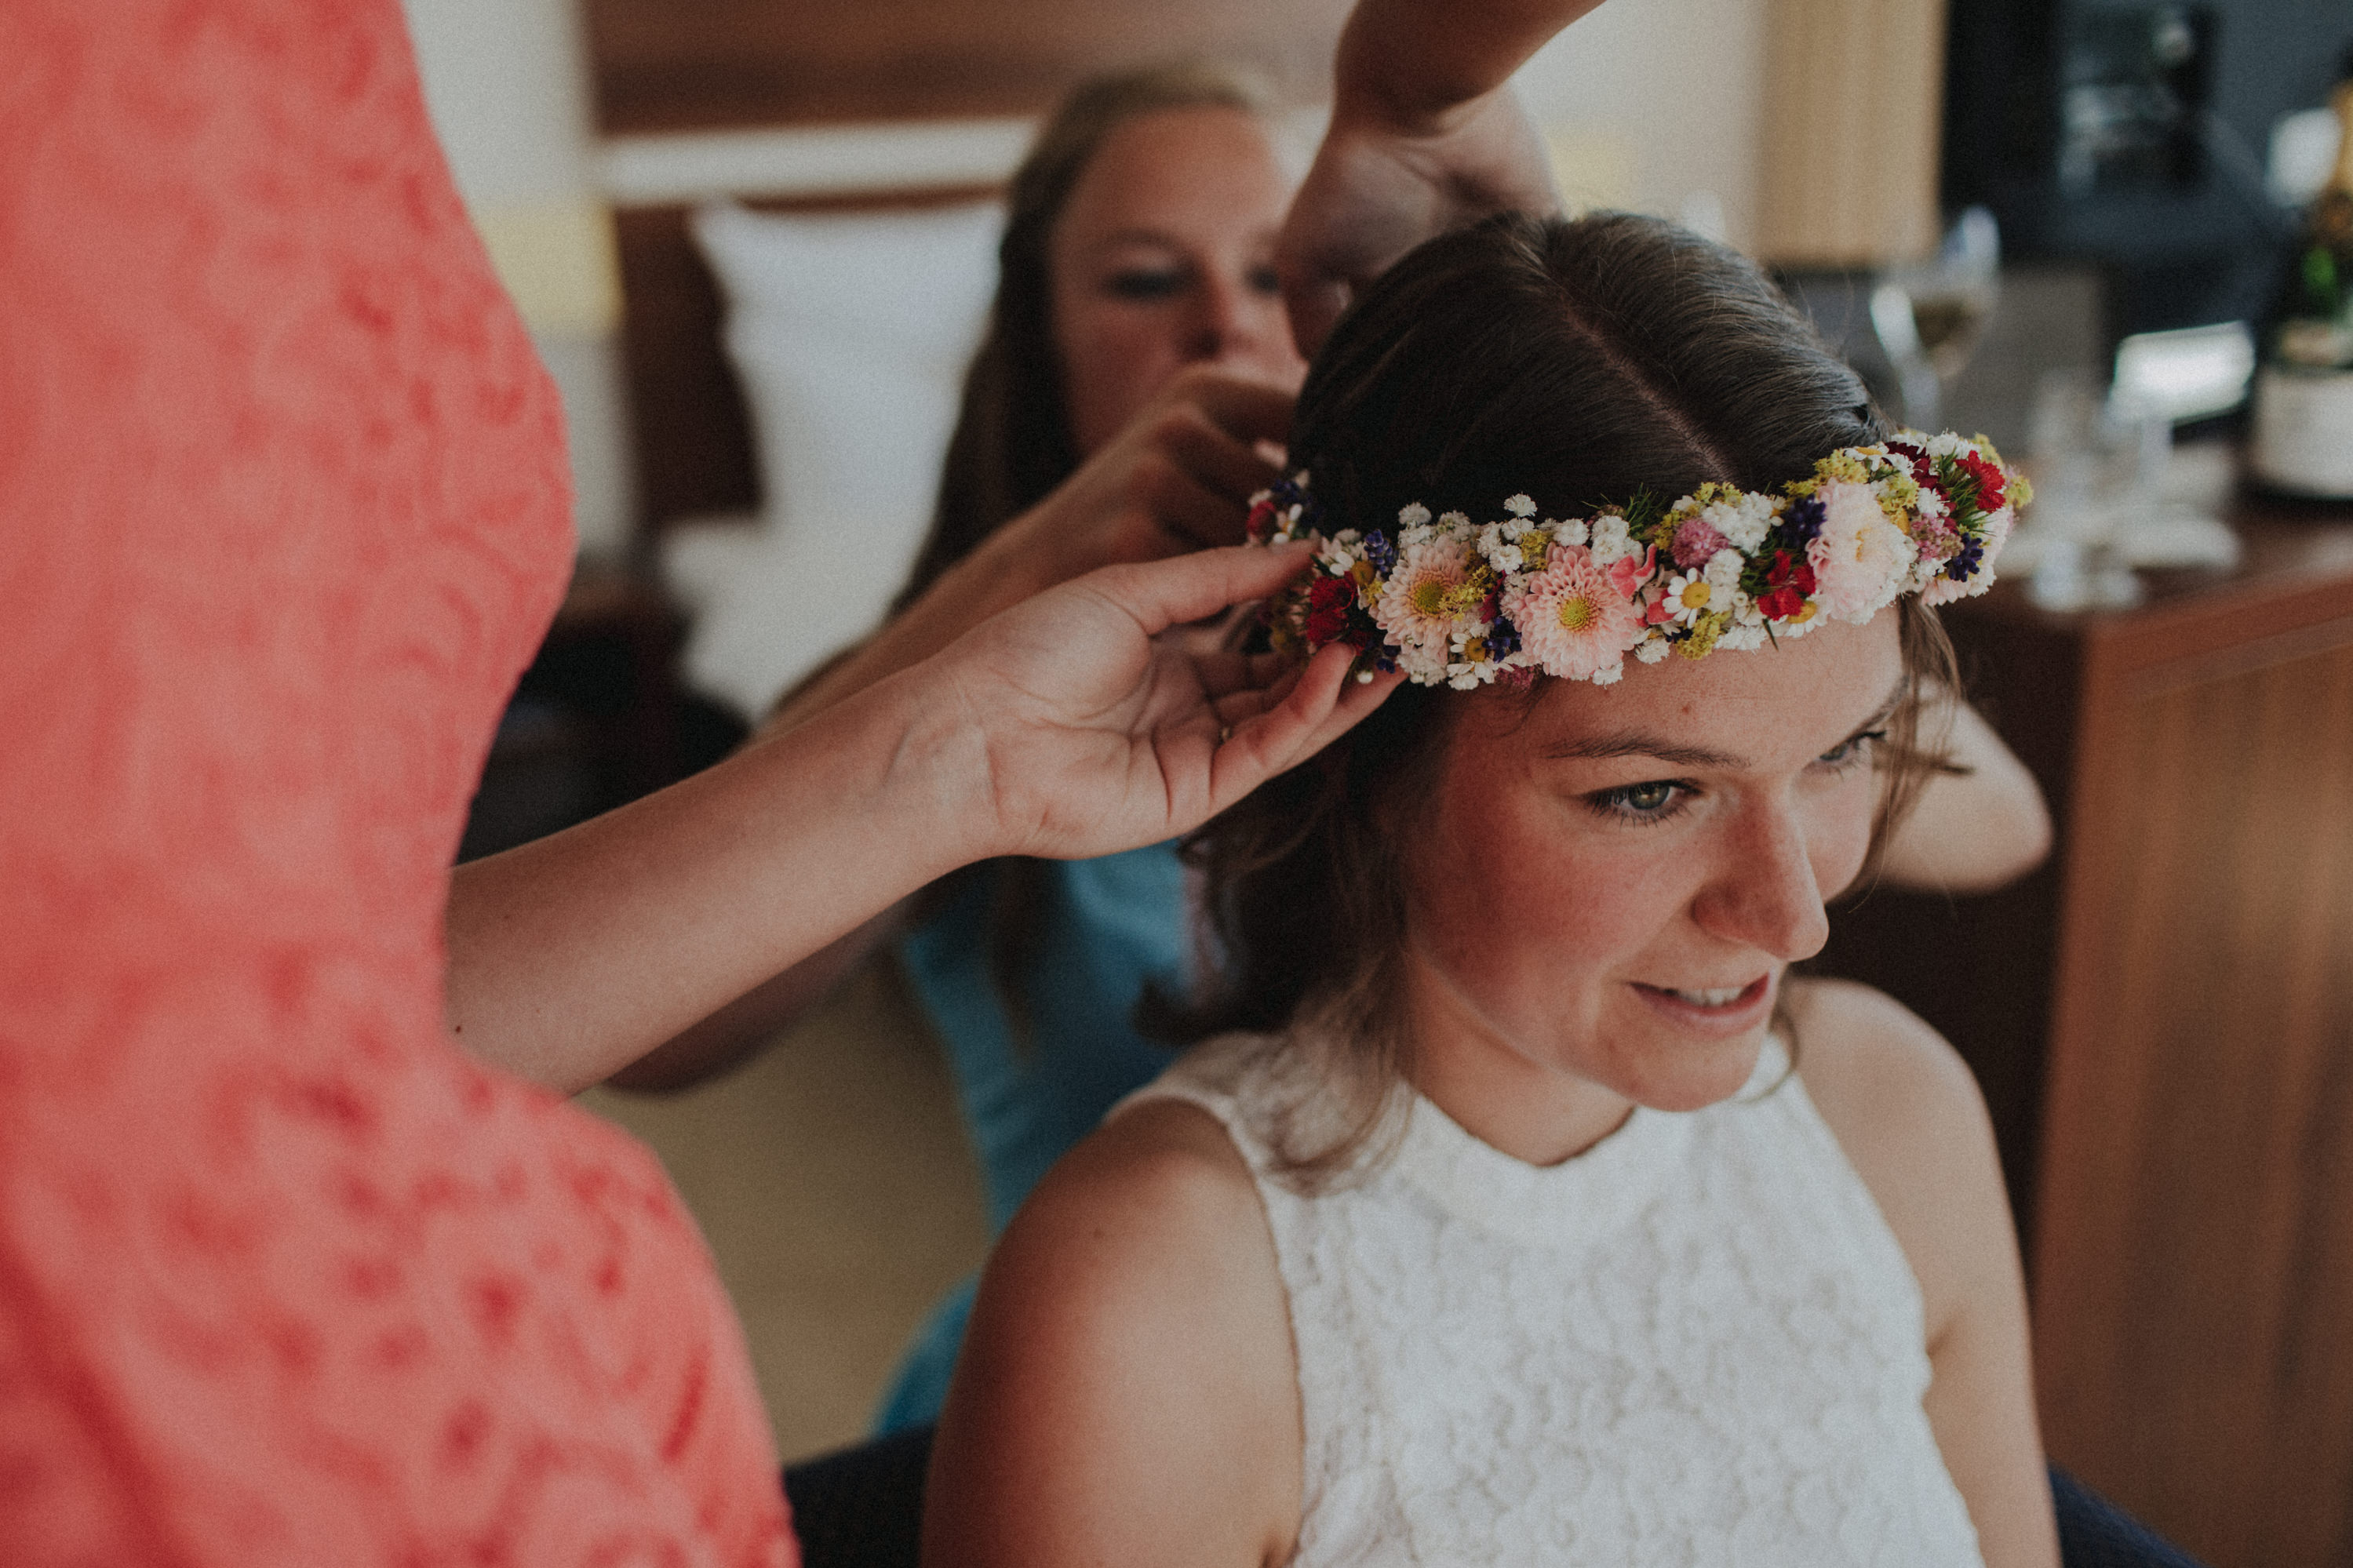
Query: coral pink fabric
284,1279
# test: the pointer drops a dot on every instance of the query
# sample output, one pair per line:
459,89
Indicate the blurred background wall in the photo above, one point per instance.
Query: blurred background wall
508,84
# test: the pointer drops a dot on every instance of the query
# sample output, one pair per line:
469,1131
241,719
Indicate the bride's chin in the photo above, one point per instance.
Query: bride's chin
1694,1076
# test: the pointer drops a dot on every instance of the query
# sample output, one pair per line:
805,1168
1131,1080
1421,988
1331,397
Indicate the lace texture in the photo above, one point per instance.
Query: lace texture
1696,1343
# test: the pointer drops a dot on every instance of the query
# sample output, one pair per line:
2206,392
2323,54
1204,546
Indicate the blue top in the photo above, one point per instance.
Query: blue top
1106,926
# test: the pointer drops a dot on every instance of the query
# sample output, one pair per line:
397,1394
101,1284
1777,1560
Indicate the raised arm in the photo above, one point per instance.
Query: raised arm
1065,728
1974,830
1425,136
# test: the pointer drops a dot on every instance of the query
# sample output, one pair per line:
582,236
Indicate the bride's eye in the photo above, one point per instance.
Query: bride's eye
1851,750
1653,800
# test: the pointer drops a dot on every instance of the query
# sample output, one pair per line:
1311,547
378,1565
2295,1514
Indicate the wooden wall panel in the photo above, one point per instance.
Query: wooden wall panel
687,419
675,65
2194,1262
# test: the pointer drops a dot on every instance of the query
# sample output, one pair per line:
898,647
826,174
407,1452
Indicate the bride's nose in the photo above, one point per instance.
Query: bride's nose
1763,893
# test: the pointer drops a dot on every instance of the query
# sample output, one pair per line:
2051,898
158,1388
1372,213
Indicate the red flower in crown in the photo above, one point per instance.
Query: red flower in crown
1792,570
1260,525
1329,600
1792,577
1988,478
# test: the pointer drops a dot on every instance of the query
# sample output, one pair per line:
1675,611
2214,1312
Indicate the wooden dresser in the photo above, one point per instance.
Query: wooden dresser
2162,1020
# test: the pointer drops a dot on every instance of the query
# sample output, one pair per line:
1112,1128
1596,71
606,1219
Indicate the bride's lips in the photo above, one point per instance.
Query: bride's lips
1742,1011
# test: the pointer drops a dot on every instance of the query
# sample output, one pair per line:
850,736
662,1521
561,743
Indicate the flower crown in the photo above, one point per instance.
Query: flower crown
1454,601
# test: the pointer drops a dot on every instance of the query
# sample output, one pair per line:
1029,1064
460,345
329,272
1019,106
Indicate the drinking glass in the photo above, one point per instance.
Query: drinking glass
1928,316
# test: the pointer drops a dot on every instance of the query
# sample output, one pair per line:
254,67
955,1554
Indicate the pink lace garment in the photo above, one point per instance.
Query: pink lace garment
283,1278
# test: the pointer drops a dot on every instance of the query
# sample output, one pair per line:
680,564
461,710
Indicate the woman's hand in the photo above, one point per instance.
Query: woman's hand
1104,727
1178,478
1069,726
1378,188
1426,136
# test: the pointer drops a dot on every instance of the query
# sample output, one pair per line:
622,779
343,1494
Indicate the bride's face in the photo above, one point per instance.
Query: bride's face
1609,885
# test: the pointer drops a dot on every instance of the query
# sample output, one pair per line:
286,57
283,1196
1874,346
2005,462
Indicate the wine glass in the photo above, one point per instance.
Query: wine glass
1928,316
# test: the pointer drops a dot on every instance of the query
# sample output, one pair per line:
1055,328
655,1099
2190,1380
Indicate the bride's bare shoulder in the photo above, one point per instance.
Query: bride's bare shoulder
1860,1052
1158,1176
1906,1110
1132,1341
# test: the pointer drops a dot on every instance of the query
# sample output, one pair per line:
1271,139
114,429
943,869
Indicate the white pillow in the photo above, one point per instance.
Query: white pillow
790,599
850,334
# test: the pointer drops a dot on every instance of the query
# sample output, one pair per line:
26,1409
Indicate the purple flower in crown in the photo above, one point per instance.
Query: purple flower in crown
1803,521
1380,551
1289,492
1502,638
1964,565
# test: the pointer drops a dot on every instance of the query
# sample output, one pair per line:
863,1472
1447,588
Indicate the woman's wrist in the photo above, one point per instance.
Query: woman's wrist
914,756
1372,96
1390,79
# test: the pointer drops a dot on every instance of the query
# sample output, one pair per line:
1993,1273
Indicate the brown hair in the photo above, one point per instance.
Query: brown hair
1012,442
1579,362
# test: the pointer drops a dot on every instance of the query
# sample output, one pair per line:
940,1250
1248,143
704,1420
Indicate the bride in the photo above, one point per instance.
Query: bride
1519,1204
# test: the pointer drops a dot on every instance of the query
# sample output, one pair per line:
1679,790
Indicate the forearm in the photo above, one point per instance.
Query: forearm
738,1029
1976,830
572,957
978,588
1406,64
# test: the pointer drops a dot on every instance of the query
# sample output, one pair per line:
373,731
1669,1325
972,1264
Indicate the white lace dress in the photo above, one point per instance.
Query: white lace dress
1697,1342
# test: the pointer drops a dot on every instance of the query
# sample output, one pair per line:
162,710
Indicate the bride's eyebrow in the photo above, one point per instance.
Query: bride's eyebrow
1137,236
1636,743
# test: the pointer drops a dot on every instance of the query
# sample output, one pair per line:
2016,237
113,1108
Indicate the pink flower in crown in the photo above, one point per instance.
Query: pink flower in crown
1628,573
1696,542
1574,621
1859,559
1436,588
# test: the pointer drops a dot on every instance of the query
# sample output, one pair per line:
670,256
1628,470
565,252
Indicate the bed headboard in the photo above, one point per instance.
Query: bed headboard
886,104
